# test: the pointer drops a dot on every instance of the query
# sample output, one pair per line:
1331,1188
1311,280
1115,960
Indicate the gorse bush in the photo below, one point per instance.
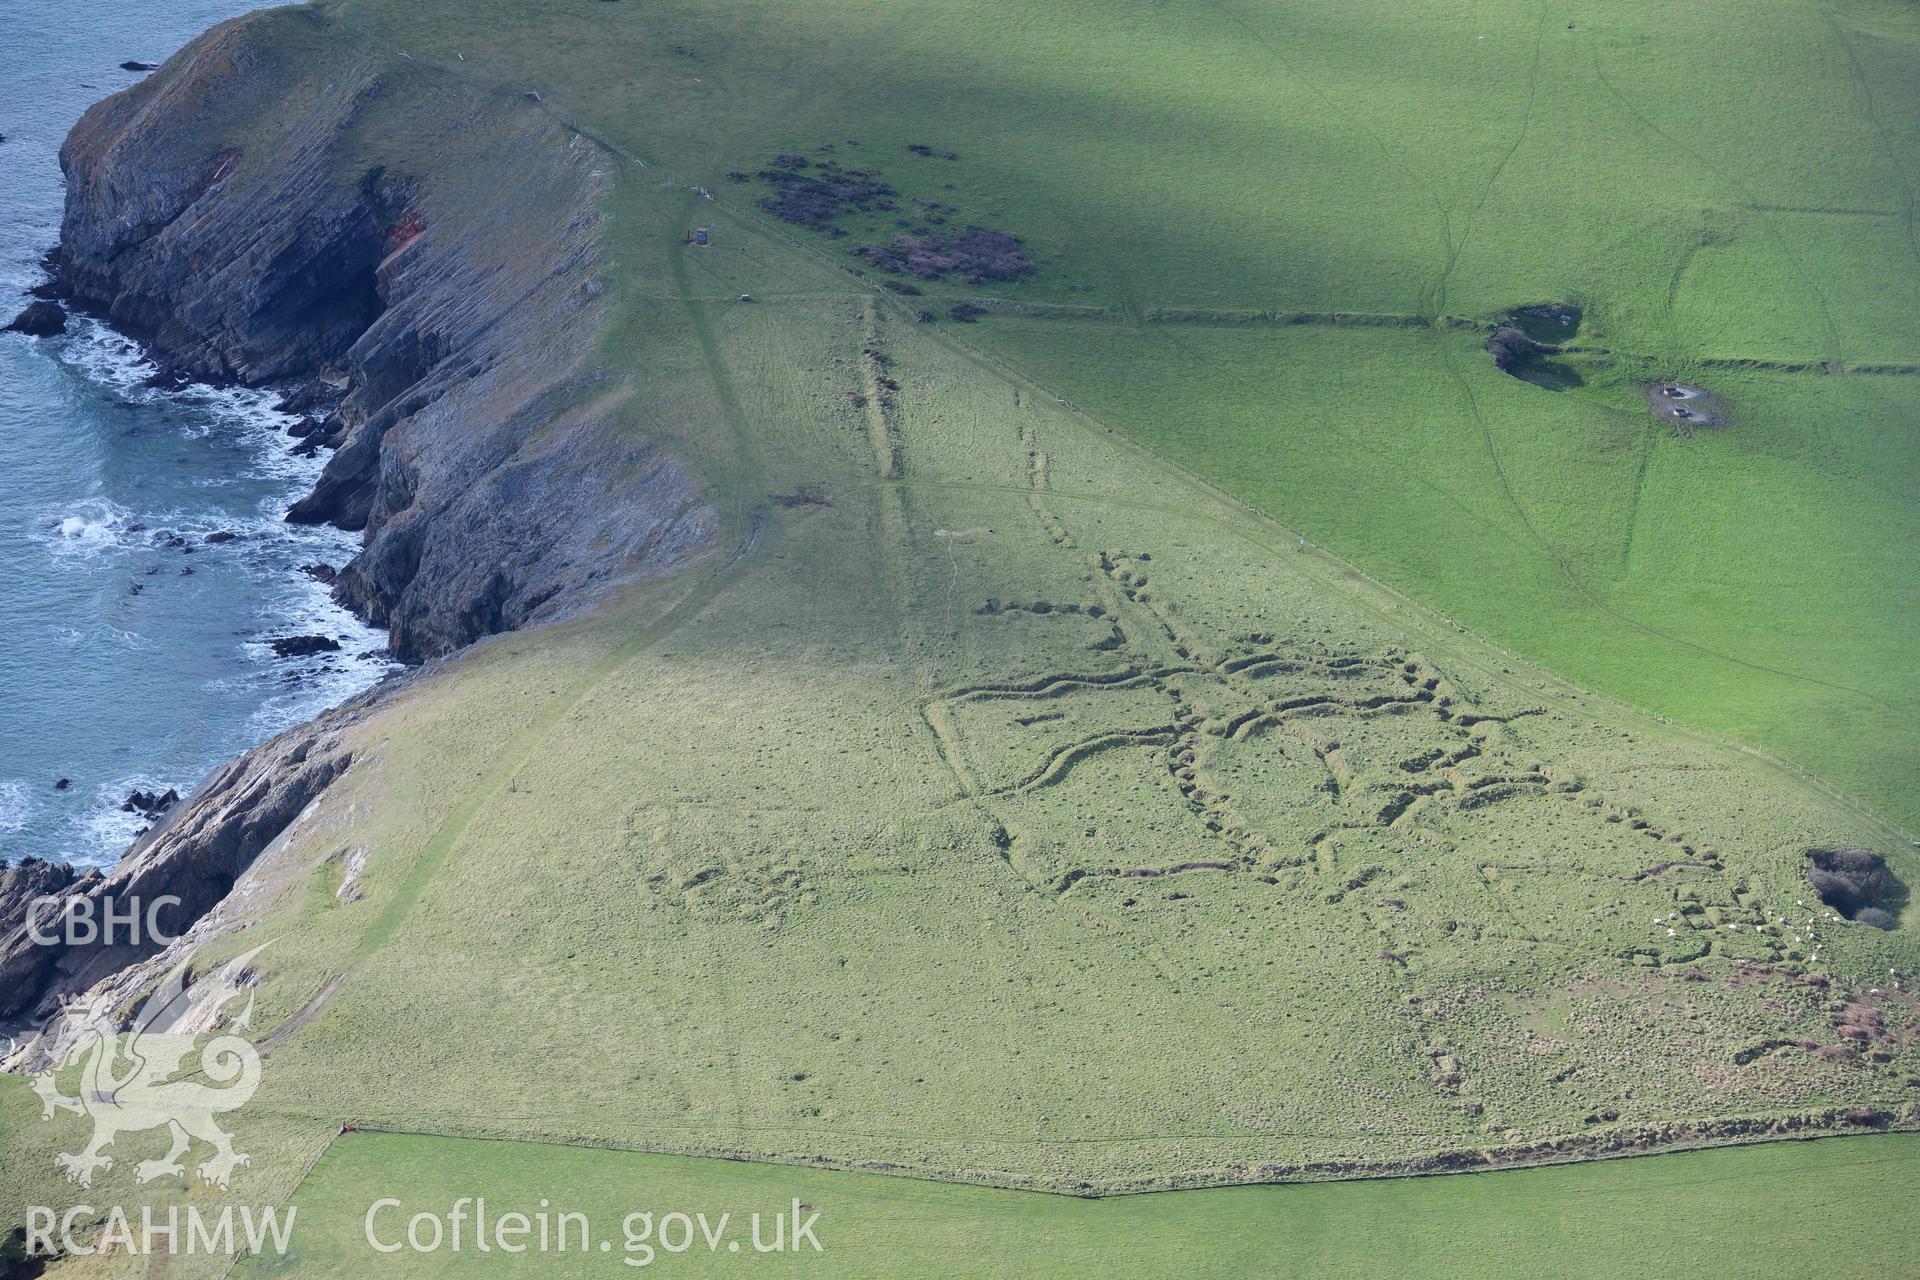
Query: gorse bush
1858,884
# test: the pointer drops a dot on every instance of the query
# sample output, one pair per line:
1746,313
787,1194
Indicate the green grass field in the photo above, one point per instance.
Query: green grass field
1015,800
1831,1207
1746,581
1731,184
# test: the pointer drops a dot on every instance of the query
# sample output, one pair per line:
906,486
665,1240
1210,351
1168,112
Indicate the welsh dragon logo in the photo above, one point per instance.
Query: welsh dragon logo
127,1082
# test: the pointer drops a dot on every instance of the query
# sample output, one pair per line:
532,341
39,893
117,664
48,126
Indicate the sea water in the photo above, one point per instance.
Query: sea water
134,651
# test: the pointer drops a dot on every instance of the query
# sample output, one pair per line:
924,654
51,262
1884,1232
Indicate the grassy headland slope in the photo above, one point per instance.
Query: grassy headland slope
1728,194
999,802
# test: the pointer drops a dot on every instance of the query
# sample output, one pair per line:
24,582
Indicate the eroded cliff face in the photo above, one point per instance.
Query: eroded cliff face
172,876
276,206
415,259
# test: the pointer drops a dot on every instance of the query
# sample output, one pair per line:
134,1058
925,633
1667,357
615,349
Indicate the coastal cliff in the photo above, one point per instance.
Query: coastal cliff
171,877
418,256
413,259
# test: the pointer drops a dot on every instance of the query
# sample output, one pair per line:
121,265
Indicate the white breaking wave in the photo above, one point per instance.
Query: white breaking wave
326,679
106,358
85,529
262,548
16,805
116,362
102,834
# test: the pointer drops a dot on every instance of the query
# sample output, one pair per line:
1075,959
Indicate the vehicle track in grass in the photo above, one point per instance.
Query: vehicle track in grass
1836,350
1134,314
1649,440
1406,170
1879,127
1396,607
1585,593
1439,293
753,528
1540,541
1115,437
749,526
1668,312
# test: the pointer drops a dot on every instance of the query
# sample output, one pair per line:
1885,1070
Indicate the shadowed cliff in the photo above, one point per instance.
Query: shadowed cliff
414,260
417,257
